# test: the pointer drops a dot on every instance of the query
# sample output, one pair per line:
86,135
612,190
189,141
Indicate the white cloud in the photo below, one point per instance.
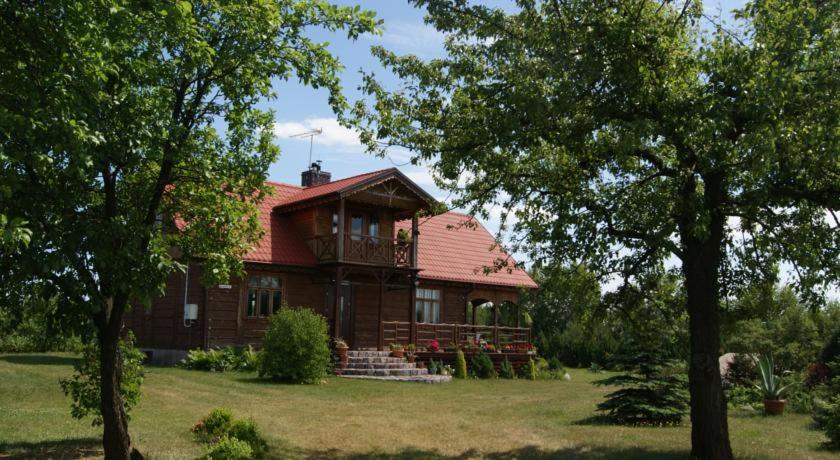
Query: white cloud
421,177
334,135
411,37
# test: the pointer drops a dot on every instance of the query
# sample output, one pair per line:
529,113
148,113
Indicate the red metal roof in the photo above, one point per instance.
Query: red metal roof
281,243
449,250
320,191
452,251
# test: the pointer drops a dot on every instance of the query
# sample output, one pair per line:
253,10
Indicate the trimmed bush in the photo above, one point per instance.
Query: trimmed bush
460,365
296,347
247,430
482,366
228,448
506,370
529,370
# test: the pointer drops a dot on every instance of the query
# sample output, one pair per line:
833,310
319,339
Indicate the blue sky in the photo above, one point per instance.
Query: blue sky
300,109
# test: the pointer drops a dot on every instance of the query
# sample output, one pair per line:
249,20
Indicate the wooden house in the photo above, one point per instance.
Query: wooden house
354,251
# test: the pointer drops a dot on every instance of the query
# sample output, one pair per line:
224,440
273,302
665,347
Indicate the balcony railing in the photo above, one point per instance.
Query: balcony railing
363,249
462,335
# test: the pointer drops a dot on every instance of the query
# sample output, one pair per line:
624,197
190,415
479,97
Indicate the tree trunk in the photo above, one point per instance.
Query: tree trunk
703,252
115,438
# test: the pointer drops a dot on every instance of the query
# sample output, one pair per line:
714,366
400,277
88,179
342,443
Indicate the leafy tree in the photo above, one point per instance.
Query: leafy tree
131,128
621,134
653,390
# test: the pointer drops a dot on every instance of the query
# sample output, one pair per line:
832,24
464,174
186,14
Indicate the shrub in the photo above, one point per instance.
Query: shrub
219,427
506,370
247,430
830,353
460,365
654,391
221,360
742,371
84,386
228,448
739,396
296,347
827,418
555,364
482,366
214,425
529,370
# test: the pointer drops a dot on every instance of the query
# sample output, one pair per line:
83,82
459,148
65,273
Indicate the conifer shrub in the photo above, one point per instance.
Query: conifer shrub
296,347
482,366
654,390
529,370
506,370
460,365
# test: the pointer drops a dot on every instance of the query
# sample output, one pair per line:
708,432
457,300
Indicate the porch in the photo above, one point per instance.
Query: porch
464,336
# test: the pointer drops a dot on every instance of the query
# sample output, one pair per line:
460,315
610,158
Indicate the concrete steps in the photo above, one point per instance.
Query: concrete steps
380,365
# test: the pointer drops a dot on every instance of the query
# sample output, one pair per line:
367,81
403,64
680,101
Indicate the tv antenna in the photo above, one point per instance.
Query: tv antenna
311,135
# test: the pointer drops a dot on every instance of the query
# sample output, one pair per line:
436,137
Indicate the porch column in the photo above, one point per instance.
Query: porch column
518,314
412,308
339,237
495,325
415,234
337,305
380,340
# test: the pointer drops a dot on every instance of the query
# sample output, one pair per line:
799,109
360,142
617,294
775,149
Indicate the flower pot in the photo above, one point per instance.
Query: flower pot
397,353
774,406
342,356
410,358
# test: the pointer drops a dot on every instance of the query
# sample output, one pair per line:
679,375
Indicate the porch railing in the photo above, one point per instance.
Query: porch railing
362,248
460,334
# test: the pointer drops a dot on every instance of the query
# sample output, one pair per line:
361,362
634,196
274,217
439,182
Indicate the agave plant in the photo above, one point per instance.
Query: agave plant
770,383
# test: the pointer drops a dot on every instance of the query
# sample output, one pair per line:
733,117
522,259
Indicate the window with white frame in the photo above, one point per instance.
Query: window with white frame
427,304
265,295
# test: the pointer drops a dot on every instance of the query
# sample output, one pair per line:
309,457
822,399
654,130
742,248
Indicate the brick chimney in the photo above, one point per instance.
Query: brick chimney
314,176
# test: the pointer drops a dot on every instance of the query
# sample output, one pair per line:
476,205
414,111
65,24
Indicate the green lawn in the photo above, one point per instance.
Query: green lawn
359,419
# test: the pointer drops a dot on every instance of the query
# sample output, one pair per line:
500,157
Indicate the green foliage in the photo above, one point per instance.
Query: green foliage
295,346
243,359
84,386
214,425
653,390
228,448
776,323
460,365
434,366
155,112
506,370
529,370
830,352
738,396
769,383
482,366
225,434
742,371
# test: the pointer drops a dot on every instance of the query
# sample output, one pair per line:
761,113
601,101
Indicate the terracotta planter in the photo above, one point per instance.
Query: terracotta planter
410,358
774,406
342,356
397,353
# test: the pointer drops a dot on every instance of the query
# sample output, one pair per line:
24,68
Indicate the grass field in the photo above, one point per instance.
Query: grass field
361,419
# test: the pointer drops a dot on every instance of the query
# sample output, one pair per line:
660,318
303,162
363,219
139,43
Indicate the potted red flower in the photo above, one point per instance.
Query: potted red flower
433,346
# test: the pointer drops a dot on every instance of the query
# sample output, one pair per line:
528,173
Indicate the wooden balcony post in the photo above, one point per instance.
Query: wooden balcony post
339,237
337,305
415,234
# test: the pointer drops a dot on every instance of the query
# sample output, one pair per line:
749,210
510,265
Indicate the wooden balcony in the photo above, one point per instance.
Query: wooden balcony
464,336
362,249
